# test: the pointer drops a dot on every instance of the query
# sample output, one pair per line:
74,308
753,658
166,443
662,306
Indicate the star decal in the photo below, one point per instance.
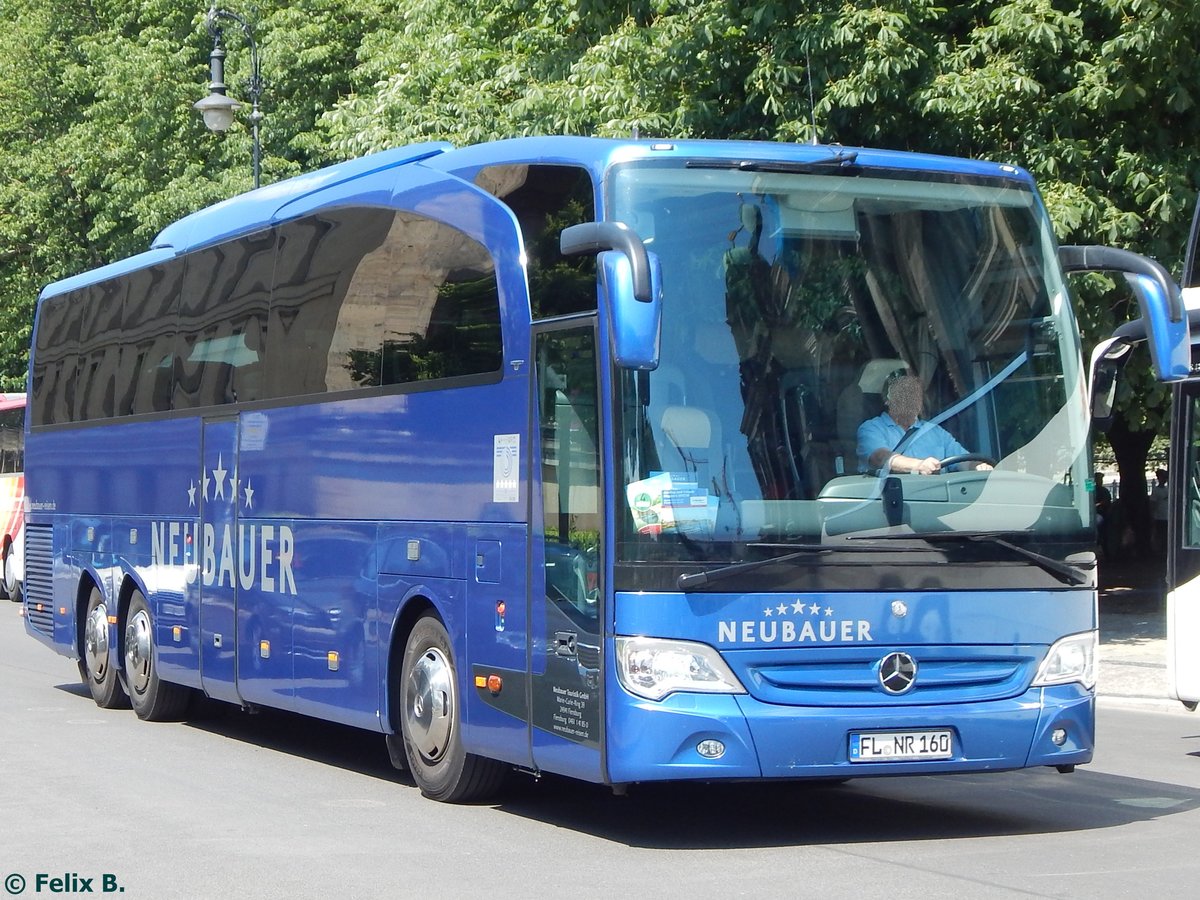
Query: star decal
219,473
814,609
249,492
798,606
192,494
782,610
768,611
205,482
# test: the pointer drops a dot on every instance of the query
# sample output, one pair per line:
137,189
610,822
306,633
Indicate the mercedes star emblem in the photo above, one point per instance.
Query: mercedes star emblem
897,673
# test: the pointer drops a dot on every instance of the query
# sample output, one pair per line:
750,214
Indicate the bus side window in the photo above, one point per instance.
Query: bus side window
12,441
56,369
442,319
546,199
365,298
223,311
149,323
99,349
313,328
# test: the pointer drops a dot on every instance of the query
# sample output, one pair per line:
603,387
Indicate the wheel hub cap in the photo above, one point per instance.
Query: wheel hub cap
95,642
137,651
430,707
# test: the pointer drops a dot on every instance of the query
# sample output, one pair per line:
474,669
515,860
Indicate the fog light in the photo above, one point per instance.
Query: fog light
1059,736
711,749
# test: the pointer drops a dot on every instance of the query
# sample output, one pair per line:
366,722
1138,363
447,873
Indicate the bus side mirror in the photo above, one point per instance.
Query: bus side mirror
1158,298
1169,341
634,326
631,284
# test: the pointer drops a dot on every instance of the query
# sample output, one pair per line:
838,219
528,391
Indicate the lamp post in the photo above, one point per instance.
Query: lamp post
218,108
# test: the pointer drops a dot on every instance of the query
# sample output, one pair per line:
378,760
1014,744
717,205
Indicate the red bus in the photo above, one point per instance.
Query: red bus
12,495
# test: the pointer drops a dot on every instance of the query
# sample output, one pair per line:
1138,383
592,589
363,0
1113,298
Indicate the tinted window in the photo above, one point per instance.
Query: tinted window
545,200
100,349
148,326
350,299
368,297
12,441
318,259
443,318
222,320
56,358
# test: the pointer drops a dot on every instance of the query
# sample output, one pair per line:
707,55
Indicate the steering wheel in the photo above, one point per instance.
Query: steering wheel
967,457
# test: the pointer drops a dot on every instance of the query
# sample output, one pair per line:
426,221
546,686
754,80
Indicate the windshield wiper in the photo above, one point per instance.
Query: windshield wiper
696,579
843,159
1063,571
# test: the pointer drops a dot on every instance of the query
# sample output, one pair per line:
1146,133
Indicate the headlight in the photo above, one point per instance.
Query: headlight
1070,659
654,667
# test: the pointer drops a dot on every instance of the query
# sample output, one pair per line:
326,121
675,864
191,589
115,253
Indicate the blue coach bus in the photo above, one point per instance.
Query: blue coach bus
549,454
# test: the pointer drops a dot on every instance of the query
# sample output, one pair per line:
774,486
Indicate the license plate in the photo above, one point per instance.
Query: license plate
892,746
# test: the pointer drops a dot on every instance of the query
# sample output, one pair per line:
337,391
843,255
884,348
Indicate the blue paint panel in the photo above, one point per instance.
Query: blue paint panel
496,641
215,591
657,741
756,621
411,457
423,549
336,659
126,469
811,687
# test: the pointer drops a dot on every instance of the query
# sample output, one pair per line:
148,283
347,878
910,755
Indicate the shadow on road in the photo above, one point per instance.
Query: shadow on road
922,808
725,816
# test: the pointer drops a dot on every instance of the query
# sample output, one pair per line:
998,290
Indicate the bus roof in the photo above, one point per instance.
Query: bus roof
11,401
261,208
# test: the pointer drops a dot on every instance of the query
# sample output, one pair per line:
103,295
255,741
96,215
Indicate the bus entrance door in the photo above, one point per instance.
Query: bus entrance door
566,638
1183,562
216,554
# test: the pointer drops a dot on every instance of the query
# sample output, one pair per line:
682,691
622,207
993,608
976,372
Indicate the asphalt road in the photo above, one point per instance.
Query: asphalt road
278,806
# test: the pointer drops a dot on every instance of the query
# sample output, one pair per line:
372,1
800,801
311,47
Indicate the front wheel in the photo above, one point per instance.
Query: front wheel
152,698
431,719
95,666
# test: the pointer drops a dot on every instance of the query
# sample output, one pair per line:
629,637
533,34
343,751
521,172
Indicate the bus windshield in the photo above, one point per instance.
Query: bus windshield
794,303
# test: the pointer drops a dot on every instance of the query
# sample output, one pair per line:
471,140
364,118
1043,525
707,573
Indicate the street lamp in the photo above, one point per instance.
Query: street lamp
218,108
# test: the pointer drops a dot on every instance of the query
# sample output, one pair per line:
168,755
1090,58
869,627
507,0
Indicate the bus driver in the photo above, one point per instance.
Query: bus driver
879,438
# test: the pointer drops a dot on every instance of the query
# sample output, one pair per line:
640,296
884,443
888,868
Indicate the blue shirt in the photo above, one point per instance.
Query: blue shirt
882,431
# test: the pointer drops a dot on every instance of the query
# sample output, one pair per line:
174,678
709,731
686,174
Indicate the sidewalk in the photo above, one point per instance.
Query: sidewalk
1133,631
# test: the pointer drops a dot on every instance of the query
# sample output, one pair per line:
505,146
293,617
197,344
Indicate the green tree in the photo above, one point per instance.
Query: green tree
103,146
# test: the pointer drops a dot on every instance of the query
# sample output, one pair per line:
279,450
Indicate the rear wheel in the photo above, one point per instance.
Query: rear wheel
95,666
153,699
9,586
431,718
